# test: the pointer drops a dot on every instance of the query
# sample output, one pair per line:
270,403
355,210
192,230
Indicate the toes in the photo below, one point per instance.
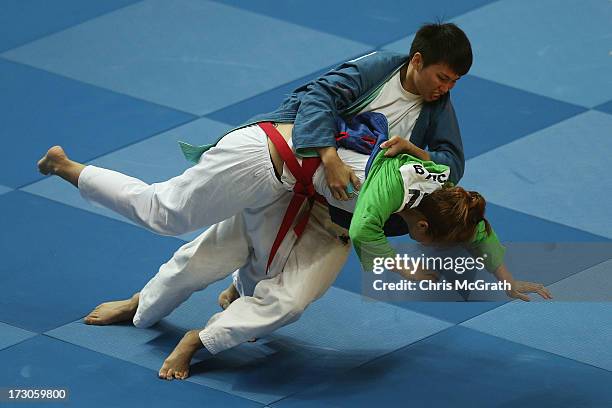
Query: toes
181,374
40,167
90,319
162,373
170,374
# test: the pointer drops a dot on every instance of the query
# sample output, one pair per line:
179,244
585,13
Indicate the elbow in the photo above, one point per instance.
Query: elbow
355,234
169,229
169,222
457,172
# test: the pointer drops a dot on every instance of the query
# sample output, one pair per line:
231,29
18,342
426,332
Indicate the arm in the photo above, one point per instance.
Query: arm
322,101
487,246
381,195
520,288
316,116
337,173
397,145
444,142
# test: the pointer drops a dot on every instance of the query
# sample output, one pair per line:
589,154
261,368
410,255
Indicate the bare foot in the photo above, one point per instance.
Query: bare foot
228,296
177,363
53,160
113,312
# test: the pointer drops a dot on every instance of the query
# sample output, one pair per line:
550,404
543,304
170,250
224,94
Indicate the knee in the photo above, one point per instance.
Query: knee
284,304
293,309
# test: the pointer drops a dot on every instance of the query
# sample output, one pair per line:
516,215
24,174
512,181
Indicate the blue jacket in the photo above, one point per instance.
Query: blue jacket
346,90
315,107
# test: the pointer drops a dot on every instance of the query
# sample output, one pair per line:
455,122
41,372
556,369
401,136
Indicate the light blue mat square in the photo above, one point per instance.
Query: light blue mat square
94,380
22,21
238,113
558,174
153,160
336,333
4,190
10,335
402,45
556,48
196,56
40,109
577,324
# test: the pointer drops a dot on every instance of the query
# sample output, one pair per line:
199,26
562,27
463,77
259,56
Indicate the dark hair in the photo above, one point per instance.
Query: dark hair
453,214
445,44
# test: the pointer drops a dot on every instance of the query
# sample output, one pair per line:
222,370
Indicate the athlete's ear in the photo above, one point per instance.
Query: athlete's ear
423,226
417,61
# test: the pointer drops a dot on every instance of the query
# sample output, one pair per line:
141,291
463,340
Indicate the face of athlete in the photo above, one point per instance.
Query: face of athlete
433,81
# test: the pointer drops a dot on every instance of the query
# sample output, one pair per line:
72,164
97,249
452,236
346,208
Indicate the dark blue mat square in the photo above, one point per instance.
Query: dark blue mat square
464,368
22,21
492,115
95,380
515,226
605,107
60,262
374,23
42,109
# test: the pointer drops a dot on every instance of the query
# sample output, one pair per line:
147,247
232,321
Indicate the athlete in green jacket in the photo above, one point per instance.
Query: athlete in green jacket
435,212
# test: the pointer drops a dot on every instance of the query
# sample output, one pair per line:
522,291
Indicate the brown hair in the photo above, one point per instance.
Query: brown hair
453,214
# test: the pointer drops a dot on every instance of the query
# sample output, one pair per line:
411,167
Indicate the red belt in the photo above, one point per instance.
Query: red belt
303,189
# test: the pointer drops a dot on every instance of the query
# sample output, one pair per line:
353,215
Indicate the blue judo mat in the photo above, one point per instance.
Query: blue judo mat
118,83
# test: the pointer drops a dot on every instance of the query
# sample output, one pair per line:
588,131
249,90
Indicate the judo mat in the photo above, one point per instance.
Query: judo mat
118,83
294,357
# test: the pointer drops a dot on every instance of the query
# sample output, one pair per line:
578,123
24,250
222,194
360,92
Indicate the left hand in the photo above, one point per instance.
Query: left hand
419,274
519,288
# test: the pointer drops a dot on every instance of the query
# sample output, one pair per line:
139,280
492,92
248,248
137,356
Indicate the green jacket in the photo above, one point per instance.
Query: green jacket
392,184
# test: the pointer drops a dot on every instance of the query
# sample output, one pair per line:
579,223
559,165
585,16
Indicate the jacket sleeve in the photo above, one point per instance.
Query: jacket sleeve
381,195
322,100
445,146
487,247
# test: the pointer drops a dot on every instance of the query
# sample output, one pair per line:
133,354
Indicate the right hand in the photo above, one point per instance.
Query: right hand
395,146
521,288
338,174
419,275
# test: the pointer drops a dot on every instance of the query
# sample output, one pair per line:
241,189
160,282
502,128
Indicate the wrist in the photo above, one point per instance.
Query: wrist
419,153
328,154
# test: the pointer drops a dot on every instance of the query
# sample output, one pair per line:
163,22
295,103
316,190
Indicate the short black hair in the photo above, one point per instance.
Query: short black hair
440,43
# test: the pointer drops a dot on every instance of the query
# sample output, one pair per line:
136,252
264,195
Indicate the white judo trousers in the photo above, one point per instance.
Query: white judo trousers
234,188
